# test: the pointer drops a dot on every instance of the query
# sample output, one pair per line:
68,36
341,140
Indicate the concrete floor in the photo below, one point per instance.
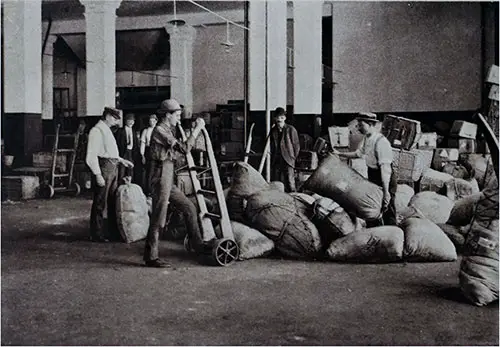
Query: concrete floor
60,289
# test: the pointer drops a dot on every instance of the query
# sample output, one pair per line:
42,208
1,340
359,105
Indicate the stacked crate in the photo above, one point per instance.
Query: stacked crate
231,130
463,136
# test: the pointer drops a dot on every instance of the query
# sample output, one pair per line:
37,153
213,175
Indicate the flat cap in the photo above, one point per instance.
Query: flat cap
112,112
168,106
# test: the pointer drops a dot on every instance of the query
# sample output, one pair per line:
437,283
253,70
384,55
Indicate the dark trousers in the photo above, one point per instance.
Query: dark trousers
126,171
389,216
283,172
146,173
103,212
163,190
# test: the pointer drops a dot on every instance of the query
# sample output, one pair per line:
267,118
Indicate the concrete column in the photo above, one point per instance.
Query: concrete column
100,38
22,80
48,79
276,48
257,55
181,64
308,73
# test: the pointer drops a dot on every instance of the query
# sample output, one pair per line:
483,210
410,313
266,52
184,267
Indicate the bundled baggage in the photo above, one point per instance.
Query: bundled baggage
479,268
132,212
332,220
433,180
337,181
251,242
433,206
278,216
425,241
380,244
456,234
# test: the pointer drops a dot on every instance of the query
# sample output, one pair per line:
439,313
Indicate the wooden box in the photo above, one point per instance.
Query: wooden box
464,129
233,120
401,132
44,159
409,165
427,141
307,160
20,187
339,136
463,145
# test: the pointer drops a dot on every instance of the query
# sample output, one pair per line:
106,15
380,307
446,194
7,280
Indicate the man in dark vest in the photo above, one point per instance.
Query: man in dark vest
285,147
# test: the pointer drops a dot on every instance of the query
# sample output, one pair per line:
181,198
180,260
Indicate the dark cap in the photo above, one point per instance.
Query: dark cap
129,116
169,106
116,113
367,117
280,111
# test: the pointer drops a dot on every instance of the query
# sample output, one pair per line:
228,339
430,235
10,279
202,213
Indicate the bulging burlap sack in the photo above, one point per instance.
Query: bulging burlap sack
277,216
337,181
332,220
380,244
463,210
277,185
251,242
132,212
425,241
458,188
432,205
305,203
403,197
245,182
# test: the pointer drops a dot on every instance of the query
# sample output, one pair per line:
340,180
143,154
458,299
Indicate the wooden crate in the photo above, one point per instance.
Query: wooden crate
463,145
307,160
427,141
339,136
20,187
463,129
409,165
401,132
44,159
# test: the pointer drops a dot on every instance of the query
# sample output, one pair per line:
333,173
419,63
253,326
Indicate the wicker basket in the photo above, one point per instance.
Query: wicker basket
409,165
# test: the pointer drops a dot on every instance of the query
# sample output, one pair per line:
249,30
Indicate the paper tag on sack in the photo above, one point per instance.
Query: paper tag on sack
342,185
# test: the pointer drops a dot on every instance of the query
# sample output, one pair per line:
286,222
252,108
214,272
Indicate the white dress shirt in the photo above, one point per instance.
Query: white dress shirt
101,143
146,139
130,137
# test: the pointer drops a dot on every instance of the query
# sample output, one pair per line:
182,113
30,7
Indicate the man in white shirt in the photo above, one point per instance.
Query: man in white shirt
103,159
377,151
146,153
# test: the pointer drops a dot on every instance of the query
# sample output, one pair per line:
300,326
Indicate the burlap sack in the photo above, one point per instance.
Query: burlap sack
463,210
337,181
277,216
251,242
132,212
433,206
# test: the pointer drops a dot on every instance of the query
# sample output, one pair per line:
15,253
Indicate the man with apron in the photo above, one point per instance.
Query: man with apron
165,148
377,151
146,153
103,159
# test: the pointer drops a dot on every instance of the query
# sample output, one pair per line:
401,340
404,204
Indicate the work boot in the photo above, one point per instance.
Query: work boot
95,238
157,263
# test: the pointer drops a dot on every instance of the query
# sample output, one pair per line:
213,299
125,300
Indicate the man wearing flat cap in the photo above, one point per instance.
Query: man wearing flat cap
165,149
377,151
128,148
103,160
145,151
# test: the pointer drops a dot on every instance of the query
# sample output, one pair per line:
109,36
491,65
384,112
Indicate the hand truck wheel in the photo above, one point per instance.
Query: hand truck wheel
187,244
225,251
76,188
48,191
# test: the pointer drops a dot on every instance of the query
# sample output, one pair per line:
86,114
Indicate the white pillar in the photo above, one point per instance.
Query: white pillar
276,53
100,38
48,78
181,64
257,55
308,73
22,56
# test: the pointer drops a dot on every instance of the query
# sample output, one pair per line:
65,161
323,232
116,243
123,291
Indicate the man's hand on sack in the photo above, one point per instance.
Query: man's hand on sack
100,180
200,123
127,163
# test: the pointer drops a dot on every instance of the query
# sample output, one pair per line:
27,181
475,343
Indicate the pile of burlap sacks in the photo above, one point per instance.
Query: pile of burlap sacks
327,221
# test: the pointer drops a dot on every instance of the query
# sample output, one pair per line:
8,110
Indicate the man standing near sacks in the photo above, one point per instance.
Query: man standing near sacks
165,148
145,151
127,147
103,159
377,151
285,147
